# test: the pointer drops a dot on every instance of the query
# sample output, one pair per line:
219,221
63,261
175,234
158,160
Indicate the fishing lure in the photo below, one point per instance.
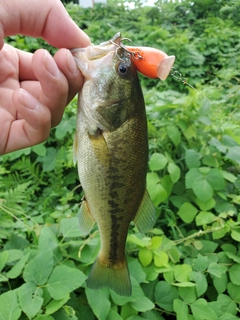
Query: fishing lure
152,63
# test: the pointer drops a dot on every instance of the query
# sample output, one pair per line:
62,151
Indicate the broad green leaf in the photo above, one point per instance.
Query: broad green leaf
201,282
229,176
220,284
39,149
204,218
235,234
227,304
188,294
160,259
10,309
156,242
200,263
127,310
216,269
39,268
174,134
215,179
201,310
206,205
152,315
234,291
187,212
47,240
49,163
30,299
185,284
145,257
233,154
142,304
64,280
165,295
18,267
181,309
182,272
198,182
67,125
55,305
113,315
174,172
192,158
157,193
69,227
97,298
3,259
234,274
136,269
157,161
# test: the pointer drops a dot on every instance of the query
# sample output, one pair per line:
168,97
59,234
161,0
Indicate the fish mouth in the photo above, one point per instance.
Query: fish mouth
165,67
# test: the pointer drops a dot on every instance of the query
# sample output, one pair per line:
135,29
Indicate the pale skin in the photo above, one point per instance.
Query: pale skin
35,88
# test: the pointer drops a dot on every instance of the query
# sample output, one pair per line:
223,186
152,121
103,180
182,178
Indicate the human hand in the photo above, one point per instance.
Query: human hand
35,88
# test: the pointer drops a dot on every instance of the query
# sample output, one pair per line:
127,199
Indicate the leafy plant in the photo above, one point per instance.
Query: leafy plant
188,266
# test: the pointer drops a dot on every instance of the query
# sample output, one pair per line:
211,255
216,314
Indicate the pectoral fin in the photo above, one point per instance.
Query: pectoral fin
146,216
86,221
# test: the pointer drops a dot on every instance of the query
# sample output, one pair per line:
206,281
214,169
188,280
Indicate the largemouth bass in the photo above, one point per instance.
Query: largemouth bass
111,147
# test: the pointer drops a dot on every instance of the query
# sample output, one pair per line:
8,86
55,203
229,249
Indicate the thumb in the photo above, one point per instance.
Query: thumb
46,18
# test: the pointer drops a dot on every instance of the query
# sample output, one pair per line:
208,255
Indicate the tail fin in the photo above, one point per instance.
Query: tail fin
116,279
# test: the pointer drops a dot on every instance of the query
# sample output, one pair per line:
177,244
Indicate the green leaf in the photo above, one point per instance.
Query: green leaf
40,149
44,317
10,309
187,212
216,269
227,304
145,257
188,294
215,179
49,163
182,272
160,259
55,305
165,295
201,310
181,309
235,235
174,134
3,259
18,267
47,240
234,291
233,154
152,315
142,304
66,125
39,268
200,263
69,227
201,282
192,158
198,182
204,218
64,280
157,193
229,176
234,274
98,298
113,315
206,205
30,299
220,284
157,161
174,172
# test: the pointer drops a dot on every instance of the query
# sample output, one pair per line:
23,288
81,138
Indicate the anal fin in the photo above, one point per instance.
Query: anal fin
146,215
86,221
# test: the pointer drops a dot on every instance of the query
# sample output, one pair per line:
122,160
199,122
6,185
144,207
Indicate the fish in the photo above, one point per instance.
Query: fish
111,149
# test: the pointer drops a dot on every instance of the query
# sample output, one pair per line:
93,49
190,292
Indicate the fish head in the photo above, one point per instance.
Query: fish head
111,83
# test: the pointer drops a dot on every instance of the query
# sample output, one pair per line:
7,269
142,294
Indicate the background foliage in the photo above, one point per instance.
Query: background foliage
188,266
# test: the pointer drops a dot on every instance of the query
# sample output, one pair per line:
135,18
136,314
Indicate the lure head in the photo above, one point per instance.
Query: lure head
151,62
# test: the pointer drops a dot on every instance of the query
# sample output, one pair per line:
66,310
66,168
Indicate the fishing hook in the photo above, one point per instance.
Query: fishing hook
135,54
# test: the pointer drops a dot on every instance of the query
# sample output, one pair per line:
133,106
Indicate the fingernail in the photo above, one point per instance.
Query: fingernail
28,100
50,64
72,67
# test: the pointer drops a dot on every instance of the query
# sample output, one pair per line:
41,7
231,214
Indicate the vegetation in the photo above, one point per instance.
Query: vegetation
188,266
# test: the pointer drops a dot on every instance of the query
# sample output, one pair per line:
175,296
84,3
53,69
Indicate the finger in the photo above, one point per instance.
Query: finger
67,65
46,18
54,85
25,65
34,125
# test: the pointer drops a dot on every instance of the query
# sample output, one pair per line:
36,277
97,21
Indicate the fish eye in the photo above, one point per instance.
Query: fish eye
123,69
